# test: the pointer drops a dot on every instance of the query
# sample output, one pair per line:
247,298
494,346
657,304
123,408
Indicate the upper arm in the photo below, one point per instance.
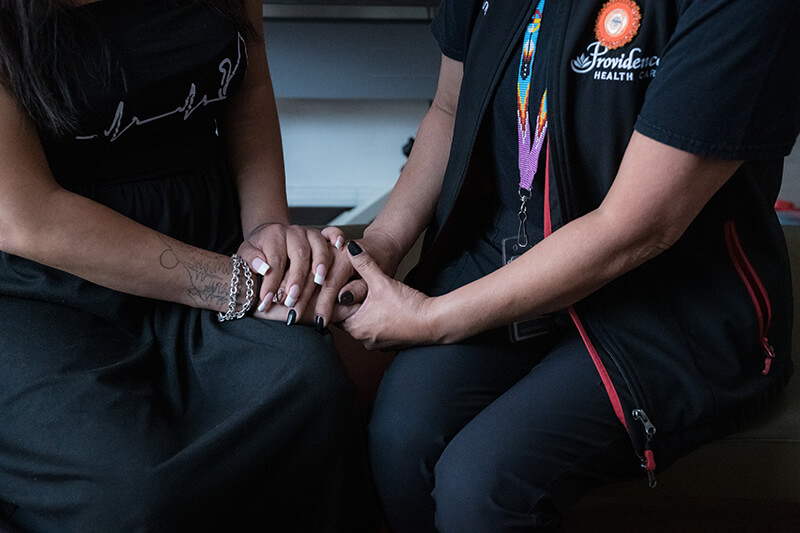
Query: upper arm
257,69
254,14
25,177
253,108
251,131
659,190
725,92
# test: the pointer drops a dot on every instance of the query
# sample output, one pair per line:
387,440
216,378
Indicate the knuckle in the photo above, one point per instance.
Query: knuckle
303,253
321,250
328,293
324,258
314,235
295,230
276,262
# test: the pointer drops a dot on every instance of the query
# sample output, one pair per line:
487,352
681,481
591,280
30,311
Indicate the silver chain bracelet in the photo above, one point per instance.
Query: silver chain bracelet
239,265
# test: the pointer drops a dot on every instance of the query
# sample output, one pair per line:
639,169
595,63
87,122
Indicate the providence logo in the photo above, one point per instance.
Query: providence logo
624,67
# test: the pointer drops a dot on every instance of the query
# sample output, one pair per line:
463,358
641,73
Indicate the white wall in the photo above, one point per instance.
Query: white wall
345,152
350,94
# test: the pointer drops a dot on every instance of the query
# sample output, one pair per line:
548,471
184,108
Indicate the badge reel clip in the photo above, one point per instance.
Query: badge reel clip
513,247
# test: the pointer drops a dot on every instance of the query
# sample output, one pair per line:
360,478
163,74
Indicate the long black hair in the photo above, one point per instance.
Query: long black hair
40,56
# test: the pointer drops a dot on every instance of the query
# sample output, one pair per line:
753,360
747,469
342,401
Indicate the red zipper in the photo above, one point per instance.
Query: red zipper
648,460
758,294
601,369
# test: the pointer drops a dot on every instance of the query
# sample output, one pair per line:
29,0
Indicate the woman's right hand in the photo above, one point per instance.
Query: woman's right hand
293,261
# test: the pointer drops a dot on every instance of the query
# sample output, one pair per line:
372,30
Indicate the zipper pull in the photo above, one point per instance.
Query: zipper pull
649,465
649,460
770,356
649,428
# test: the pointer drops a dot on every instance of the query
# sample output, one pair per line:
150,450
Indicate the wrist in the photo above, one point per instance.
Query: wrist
242,291
448,319
250,230
434,320
384,247
242,298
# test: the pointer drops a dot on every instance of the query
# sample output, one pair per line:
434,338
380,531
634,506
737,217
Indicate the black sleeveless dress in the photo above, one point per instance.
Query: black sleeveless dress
147,144
127,414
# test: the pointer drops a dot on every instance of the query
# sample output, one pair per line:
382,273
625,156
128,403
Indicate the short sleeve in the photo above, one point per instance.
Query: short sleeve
452,26
728,81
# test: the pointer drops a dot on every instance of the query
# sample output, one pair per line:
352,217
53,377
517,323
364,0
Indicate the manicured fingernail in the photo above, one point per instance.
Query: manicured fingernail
270,297
292,318
339,243
260,266
319,277
319,324
354,248
291,298
346,298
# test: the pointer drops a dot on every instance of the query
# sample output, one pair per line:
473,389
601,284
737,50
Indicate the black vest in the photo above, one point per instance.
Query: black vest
685,337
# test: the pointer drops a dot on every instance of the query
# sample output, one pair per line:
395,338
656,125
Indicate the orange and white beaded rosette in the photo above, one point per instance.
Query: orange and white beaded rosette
617,23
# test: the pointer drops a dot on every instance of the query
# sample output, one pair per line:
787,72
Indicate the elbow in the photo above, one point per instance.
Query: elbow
31,207
9,230
24,227
663,238
655,246
12,237
639,239
657,239
445,107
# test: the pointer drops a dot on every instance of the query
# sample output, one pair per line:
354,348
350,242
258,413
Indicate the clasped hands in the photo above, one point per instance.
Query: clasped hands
318,278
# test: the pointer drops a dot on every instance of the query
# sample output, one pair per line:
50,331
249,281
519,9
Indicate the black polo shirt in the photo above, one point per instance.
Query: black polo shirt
495,200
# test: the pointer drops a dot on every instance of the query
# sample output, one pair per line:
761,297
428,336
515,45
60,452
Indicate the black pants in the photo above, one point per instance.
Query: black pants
487,436
174,422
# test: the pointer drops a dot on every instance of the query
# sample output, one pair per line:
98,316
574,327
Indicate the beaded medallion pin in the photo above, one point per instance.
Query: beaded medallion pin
617,23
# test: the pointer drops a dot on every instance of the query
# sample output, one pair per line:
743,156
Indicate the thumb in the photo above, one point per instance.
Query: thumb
334,235
253,257
363,263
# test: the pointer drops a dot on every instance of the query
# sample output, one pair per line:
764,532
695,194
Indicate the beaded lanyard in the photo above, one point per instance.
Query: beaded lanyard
528,150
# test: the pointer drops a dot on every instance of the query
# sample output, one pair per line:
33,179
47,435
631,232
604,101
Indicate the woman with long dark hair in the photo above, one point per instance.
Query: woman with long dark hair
144,244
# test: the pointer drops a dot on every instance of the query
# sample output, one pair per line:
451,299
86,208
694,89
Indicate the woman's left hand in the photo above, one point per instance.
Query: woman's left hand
393,314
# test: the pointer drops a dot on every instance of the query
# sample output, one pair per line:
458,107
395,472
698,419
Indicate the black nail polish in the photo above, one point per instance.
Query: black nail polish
346,298
354,248
292,318
319,324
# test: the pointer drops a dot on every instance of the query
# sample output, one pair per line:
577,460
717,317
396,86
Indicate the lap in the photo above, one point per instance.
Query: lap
170,363
555,423
174,403
446,386
227,366
502,426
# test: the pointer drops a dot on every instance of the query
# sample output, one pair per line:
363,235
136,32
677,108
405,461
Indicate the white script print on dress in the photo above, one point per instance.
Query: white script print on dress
227,68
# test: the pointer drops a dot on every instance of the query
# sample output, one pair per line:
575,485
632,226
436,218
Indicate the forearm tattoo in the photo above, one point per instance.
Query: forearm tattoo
209,277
